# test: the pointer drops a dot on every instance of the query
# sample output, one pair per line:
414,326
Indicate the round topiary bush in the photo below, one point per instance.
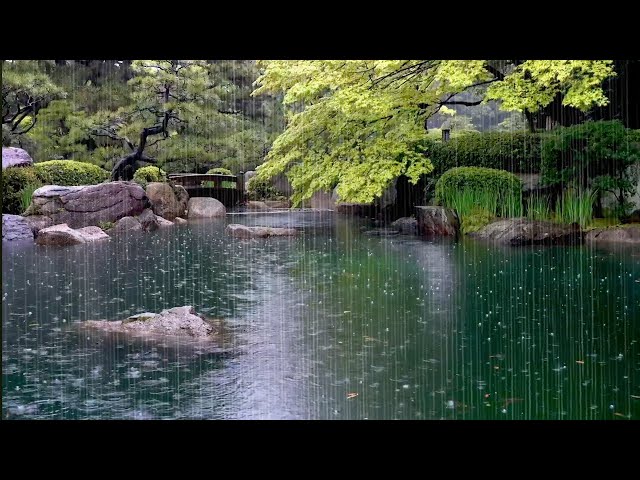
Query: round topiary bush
258,189
219,171
466,188
15,181
70,172
149,174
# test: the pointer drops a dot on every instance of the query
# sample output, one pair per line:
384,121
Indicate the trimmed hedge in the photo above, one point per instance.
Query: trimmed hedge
503,185
219,171
511,151
14,181
70,172
149,174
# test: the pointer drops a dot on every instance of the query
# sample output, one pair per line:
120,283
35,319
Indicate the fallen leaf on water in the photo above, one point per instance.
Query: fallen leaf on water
580,362
619,415
351,395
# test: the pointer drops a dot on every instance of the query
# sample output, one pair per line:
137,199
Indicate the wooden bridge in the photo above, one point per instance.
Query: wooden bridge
228,189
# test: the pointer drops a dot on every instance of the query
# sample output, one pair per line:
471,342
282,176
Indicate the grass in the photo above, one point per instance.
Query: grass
538,208
576,207
478,208
106,225
26,194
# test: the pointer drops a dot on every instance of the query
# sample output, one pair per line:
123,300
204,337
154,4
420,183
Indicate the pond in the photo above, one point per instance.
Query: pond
332,324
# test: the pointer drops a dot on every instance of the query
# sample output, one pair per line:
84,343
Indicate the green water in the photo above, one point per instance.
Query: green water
333,324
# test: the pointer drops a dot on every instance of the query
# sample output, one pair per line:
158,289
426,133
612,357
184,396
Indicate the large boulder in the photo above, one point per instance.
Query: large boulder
15,157
38,222
167,201
15,227
522,231
437,221
84,206
126,224
630,234
242,231
64,235
177,321
204,207
407,225
322,200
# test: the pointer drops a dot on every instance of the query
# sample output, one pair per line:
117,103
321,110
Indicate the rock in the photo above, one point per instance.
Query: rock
163,222
382,232
522,231
322,201
281,183
15,157
38,222
255,205
15,227
204,207
277,203
127,224
629,234
165,202
64,235
242,231
407,225
179,221
437,221
88,205
178,321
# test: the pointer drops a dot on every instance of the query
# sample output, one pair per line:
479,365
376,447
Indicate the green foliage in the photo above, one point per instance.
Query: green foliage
538,208
106,225
26,194
261,189
511,151
358,124
219,171
14,181
475,208
70,172
149,174
576,206
594,155
497,191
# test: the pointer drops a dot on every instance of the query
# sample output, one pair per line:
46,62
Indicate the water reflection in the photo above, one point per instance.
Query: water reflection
332,324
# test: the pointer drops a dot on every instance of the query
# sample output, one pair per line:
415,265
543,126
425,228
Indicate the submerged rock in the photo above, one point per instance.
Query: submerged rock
177,321
382,232
437,221
15,227
242,231
204,207
522,231
64,235
408,225
84,206
15,157
630,234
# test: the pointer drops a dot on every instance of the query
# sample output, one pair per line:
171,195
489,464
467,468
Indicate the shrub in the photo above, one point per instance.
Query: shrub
149,174
258,189
219,171
593,155
70,172
14,181
511,151
497,191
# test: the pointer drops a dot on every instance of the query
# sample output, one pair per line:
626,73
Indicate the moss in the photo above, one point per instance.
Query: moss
476,220
106,225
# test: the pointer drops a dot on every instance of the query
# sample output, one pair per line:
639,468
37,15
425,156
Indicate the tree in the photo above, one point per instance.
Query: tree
25,91
360,124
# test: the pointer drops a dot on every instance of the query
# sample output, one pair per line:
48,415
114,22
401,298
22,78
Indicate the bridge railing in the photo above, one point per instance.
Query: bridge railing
197,180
